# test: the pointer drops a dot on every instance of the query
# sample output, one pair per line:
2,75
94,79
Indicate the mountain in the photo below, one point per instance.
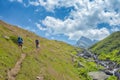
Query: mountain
52,61
108,48
84,42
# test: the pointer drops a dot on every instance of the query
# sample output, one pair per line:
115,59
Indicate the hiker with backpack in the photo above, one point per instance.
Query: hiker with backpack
37,43
20,41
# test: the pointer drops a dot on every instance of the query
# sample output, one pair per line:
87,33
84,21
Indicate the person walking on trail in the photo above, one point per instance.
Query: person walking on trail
37,43
20,41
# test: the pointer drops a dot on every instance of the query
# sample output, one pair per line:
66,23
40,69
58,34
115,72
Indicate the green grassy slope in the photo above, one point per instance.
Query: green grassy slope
109,48
53,61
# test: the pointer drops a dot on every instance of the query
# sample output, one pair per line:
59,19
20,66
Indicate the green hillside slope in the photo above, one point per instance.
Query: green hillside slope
109,48
53,61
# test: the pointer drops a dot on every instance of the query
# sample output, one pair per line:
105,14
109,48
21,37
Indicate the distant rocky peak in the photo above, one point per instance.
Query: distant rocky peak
85,42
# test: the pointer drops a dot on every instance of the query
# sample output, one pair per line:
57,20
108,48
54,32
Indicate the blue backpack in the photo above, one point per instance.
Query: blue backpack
20,39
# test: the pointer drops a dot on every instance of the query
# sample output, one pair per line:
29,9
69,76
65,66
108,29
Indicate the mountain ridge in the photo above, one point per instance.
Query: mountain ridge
108,40
108,47
85,42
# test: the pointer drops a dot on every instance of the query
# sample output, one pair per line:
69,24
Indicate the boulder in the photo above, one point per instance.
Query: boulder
109,72
39,78
6,37
99,75
117,74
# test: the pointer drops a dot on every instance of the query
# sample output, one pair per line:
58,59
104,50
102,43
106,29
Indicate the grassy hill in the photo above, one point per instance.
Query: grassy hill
109,48
53,61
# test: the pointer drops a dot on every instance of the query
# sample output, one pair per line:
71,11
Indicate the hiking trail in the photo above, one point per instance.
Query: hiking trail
14,71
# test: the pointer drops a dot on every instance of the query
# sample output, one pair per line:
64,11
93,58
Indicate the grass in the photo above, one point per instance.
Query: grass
108,49
87,66
53,61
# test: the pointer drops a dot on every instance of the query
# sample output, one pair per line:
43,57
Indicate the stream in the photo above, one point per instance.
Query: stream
110,67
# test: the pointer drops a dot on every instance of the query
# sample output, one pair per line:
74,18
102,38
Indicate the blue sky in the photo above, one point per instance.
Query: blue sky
64,20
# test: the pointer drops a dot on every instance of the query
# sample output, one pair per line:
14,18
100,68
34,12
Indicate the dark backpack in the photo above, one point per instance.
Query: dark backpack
37,41
20,39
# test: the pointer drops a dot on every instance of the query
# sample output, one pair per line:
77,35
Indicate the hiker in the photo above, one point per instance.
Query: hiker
20,41
37,43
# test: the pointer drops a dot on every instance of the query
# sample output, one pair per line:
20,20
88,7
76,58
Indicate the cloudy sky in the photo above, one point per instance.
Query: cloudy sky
65,20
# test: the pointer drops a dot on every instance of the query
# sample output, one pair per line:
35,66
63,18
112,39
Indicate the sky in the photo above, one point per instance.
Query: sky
64,20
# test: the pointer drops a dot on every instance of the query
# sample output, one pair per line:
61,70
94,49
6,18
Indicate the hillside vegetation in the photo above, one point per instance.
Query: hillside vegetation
109,48
52,61
55,60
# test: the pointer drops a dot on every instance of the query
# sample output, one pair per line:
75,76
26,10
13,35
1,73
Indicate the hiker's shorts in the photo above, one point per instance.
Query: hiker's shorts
20,43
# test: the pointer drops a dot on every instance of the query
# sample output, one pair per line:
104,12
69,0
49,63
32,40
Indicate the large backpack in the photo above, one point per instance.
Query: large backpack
37,41
20,39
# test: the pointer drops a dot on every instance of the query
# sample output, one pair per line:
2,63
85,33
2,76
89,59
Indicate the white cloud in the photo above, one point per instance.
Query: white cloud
72,29
40,27
58,26
97,34
20,1
114,29
49,4
84,19
34,3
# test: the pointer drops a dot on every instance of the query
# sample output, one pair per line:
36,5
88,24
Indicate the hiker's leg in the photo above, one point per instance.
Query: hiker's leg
21,45
18,44
36,45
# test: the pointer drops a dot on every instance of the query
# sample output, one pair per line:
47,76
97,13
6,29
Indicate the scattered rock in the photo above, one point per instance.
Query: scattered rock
39,78
98,75
108,72
110,67
6,37
80,64
118,75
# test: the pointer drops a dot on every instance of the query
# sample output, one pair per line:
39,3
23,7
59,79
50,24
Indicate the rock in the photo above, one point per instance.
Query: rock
104,63
98,75
6,37
85,54
80,54
117,74
110,67
39,78
80,64
108,72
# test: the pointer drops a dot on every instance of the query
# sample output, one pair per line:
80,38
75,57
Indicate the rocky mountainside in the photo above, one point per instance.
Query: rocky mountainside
106,55
109,69
84,42
109,50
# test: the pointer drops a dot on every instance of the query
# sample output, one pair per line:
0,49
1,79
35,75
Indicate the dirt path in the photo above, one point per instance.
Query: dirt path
14,71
